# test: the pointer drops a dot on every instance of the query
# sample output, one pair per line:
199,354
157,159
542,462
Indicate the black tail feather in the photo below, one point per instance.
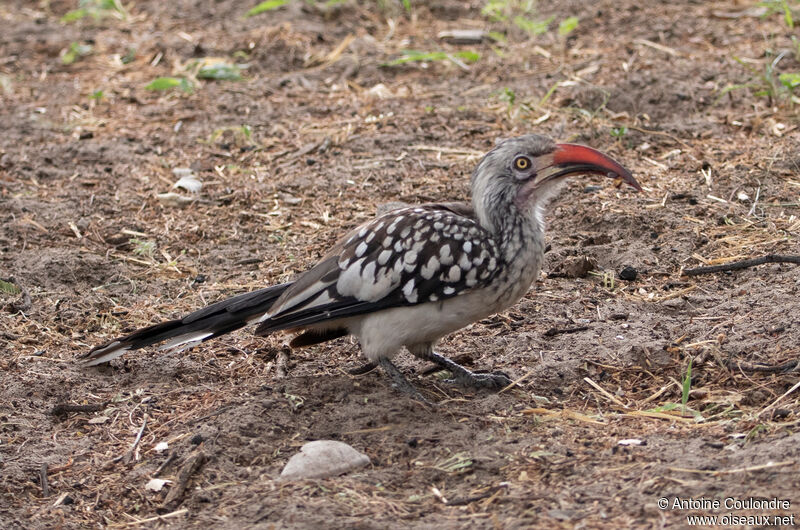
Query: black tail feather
204,324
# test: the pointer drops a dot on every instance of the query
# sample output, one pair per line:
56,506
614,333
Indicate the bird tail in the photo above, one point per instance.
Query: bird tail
212,321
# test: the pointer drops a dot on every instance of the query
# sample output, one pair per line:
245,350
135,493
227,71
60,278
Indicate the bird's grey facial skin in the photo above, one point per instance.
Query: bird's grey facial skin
496,182
521,174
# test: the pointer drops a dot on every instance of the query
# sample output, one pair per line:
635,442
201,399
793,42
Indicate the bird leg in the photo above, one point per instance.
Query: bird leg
462,376
400,382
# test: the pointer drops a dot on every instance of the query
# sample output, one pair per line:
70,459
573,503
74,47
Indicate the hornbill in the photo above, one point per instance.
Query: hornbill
413,275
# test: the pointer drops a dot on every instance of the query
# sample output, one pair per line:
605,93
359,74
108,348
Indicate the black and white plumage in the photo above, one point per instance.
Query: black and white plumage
413,275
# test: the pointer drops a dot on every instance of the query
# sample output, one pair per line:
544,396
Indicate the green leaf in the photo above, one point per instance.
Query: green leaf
9,288
787,15
497,36
411,56
407,5
75,14
97,9
687,384
220,72
495,10
76,50
534,27
269,5
97,95
166,83
468,56
669,407
567,26
790,80
129,56
508,95
666,407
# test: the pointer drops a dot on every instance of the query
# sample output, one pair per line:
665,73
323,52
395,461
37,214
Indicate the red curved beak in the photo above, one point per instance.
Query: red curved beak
572,159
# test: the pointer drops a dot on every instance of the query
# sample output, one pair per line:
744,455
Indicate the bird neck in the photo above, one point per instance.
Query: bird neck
519,233
520,236
520,239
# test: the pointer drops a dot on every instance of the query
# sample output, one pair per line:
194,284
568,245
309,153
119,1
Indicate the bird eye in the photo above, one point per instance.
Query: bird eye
522,163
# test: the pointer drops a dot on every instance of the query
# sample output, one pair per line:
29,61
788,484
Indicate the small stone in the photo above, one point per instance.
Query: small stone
323,458
674,303
156,484
628,273
289,199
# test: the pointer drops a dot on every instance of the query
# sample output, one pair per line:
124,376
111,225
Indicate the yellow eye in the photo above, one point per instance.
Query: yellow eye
522,162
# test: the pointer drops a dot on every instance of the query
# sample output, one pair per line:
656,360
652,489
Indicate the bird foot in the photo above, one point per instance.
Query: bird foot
462,376
400,382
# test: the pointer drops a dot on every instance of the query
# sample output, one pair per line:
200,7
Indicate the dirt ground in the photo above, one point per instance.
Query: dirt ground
317,133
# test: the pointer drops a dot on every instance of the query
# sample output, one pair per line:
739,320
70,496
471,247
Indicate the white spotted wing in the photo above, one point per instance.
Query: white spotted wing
405,257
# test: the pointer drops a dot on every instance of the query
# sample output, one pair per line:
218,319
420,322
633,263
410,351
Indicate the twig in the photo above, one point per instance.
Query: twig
126,458
192,464
737,265
657,46
363,369
447,150
151,519
517,382
755,201
209,415
164,464
660,133
764,368
795,387
43,480
768,465
552,332
605,393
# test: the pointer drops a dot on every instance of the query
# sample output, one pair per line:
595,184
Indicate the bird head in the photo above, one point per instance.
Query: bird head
520,174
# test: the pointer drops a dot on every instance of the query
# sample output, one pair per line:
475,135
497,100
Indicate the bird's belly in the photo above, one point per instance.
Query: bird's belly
382,334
